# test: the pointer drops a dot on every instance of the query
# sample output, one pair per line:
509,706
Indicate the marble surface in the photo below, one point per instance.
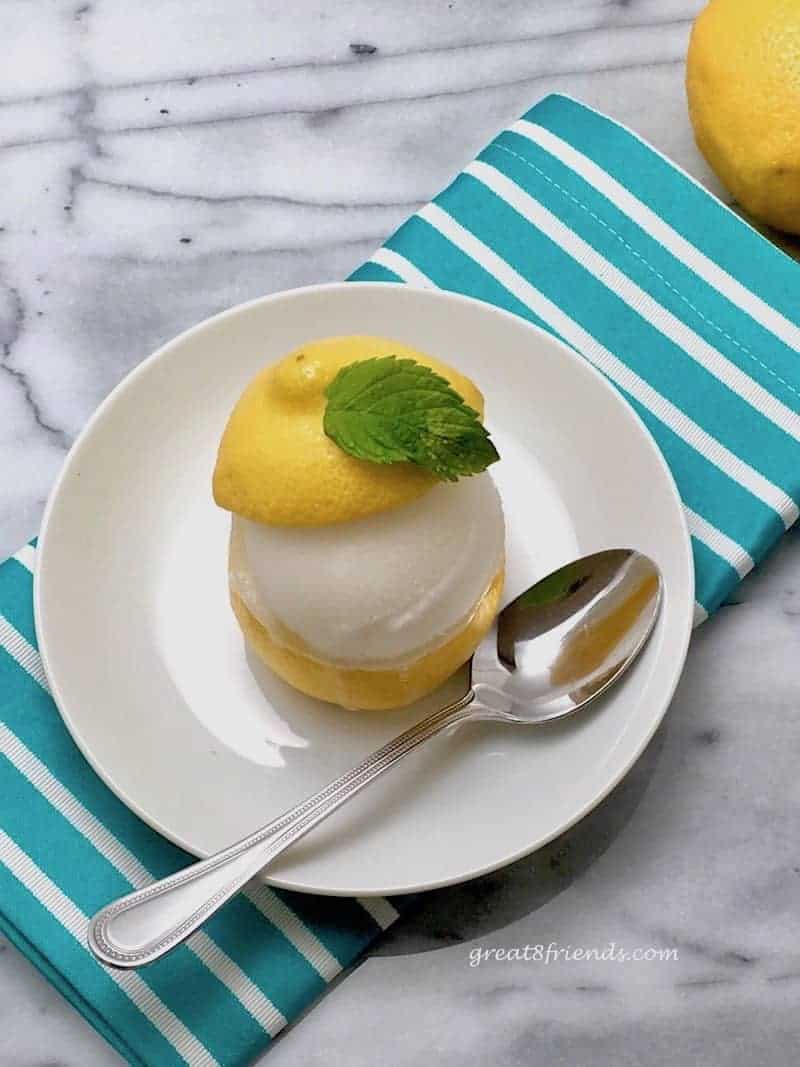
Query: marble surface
160,161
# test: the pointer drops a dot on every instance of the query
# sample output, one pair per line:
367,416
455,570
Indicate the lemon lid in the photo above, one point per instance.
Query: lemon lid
276,465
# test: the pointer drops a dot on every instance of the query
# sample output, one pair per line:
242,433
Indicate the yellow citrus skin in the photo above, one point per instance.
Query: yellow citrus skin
743,86
275,465
370,690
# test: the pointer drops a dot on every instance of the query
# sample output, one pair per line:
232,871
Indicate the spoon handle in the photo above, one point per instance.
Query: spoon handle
146,924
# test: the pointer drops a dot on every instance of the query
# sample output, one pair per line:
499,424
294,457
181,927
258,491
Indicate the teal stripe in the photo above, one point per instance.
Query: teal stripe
75,866
691,211
648,263
705,489
97,996
449,268
342,925
186,986
373,272
34,718
16,598
265,955
715,579
611,321
205,1006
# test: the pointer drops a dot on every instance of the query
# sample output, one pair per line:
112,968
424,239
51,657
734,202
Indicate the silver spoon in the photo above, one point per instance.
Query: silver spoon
551,651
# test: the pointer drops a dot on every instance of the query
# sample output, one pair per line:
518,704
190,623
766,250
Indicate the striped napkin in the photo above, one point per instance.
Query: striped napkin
572,222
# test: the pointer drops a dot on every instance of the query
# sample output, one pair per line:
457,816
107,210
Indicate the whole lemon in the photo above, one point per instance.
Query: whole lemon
743,84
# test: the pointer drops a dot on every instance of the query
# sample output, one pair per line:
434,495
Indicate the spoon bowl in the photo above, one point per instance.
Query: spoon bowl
568,638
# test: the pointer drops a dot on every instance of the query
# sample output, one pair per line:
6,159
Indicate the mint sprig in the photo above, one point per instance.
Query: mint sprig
391,410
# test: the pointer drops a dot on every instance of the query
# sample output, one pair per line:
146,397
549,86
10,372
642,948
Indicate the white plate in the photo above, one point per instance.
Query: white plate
148,667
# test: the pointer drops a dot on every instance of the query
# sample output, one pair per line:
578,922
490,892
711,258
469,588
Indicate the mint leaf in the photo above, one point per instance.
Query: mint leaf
390,410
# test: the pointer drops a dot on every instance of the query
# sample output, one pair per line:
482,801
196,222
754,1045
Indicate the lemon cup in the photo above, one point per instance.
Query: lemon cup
378,581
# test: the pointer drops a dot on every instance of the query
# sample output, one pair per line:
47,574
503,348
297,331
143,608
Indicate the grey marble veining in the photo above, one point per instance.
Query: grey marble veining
161,161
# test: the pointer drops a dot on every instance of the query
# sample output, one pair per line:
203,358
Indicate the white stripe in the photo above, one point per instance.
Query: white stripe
396,263
75,922
641,302
27,557
290,925
719,543
294,930
231,975
71,808
717,277
700,614
23,652
382,911
218,962
614,368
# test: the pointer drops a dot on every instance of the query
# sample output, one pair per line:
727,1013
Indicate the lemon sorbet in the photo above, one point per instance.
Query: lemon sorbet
365,582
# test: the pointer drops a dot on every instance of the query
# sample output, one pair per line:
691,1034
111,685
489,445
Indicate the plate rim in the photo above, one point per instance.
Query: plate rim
162,352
